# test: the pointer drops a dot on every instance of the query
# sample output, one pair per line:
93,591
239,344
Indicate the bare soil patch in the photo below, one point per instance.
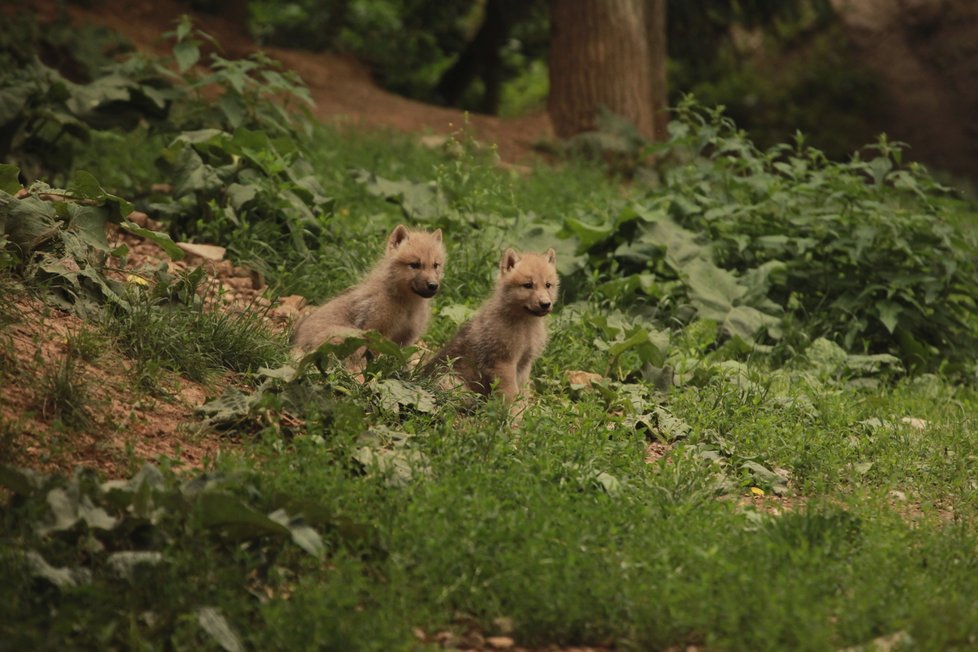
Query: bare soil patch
123,428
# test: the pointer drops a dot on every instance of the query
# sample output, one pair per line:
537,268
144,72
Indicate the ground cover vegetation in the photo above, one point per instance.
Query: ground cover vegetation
753,427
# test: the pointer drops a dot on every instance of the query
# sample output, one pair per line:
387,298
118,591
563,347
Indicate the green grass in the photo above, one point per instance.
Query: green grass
64,394
195,341
345,515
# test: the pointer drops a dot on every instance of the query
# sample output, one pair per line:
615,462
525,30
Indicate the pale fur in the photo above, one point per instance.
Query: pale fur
499,345
393,298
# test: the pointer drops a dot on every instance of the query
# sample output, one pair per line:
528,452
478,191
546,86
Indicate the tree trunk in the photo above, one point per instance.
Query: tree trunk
655,31
601,55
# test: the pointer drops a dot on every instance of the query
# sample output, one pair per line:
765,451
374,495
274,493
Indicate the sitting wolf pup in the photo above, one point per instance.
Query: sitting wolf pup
391,299
507,334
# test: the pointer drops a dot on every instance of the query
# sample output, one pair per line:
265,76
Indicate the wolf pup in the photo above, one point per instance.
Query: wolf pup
391,299
507,334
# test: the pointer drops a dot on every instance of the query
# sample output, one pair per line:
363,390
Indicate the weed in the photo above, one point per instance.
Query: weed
64,393
86,345
194,341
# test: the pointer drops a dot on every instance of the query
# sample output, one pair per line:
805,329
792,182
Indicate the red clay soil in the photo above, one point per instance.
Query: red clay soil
122,428
342,88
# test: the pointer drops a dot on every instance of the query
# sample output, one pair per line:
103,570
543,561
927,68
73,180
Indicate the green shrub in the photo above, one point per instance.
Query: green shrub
868,252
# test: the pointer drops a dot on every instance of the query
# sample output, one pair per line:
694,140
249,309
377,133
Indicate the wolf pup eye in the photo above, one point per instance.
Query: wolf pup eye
528,285
549,285
436,265
414,265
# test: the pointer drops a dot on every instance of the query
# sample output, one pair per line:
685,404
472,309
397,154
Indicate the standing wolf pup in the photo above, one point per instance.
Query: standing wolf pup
392,299
507,334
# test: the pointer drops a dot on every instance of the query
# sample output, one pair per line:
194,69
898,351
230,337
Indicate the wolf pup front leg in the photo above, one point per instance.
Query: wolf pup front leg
391,299
499,345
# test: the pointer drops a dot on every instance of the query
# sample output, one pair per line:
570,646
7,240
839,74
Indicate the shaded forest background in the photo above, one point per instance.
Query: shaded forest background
841,71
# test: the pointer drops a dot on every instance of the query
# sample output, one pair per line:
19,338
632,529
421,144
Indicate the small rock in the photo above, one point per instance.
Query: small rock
500,642
582,378
222,268
914,422
140,218
204,251
164,188
433,141
289,306
503,624
239,283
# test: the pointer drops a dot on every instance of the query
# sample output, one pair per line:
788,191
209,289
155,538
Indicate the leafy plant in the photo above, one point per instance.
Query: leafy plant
58,237
861,252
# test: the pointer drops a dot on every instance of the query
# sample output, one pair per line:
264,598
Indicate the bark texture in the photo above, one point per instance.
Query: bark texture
601,54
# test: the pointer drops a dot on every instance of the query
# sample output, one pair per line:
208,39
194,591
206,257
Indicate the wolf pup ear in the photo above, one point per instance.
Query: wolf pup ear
509,260
436,234
397,236
551,256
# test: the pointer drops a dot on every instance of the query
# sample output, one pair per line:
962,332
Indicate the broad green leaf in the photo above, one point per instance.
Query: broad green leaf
394,394
399,465
9,178
193,176
457,312
25,482
29,222
539,237
304,536
609,483
217,626
160,239
187,54
419,201
222,510
124,562
184,27
588,234
826,355
284,373
14,98
681,245
233,405
89,223
61,577
664,425
776,482
746,322
889,313
239,195
712,290
84,185
67,509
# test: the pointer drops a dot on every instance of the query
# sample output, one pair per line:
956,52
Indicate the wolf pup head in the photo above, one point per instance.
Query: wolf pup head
416,259
529,281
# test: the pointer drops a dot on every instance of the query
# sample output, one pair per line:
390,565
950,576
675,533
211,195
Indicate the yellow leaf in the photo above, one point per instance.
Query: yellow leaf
136,280
757,491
